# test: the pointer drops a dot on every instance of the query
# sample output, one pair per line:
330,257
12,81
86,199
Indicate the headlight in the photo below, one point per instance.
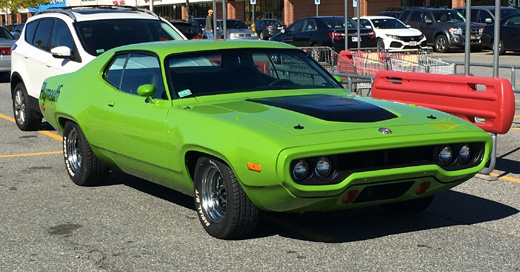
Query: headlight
456,31
323,167
300,170
395,37
445,155
254,34
464,154
233,35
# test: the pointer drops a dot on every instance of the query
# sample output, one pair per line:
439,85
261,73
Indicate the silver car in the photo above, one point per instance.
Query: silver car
236,30
6,42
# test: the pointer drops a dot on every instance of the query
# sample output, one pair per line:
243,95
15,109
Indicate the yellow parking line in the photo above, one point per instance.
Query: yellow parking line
46,133
31,154
506,178
7,117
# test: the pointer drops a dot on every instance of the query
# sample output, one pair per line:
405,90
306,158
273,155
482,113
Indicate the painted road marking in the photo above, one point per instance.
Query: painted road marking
46,133
31,154
505,178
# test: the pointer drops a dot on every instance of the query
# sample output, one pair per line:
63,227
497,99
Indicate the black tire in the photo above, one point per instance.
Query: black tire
409,206
25,117
223,207
82,165
501,48
441,44
262,36
380,44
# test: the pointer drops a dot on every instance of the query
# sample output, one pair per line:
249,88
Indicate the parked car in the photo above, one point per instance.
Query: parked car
392,34
390,13
325,31
236,30
244,126
62,40
509,34
15,29
199,23
189,31
6,42
265,28
484,15
443,28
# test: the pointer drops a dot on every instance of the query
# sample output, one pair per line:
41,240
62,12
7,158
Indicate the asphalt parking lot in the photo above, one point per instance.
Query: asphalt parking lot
49,224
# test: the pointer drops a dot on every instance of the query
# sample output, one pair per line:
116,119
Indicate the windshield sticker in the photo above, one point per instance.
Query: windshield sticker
184,93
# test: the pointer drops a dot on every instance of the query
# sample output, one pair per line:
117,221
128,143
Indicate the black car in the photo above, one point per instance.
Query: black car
443,28
509,34
199,24
187,29
266,28
325,31
484,15
390,13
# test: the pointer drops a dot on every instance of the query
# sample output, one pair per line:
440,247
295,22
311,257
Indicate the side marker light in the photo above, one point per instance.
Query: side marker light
350,196
254,167
422,188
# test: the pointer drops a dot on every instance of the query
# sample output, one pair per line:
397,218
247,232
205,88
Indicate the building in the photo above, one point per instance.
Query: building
287,11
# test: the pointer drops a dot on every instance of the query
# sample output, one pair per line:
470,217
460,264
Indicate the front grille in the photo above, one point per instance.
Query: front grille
383,192
409,38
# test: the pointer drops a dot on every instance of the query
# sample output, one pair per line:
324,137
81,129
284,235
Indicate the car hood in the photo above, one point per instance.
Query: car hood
398,31
308,116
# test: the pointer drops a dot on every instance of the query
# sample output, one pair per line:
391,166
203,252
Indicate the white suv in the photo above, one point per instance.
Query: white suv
62,40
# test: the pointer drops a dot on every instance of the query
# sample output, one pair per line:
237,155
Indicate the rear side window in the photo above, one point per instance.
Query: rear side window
43,34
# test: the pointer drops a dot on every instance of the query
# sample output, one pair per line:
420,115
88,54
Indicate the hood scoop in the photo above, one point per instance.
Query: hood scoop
329,107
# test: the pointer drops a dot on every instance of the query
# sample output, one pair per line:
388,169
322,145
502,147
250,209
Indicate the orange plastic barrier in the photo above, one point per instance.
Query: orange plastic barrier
487,102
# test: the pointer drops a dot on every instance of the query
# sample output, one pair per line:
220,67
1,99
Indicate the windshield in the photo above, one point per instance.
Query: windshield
244,70
101,35
448,16
388,23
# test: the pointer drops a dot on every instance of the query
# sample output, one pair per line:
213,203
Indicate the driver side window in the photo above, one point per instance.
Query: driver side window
130,70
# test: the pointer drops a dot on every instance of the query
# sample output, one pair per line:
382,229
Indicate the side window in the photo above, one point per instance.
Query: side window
474,16
43,34
296,26
30,30
129,71
62,36
309,25
483,16
427,17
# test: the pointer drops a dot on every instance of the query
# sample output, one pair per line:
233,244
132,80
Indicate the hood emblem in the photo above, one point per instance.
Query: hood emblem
385,131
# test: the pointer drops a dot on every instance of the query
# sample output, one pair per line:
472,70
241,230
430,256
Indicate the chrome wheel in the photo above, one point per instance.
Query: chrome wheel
213,194
19,107
73,151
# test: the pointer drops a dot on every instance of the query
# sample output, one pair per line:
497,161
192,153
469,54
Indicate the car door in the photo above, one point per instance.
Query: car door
291,32
427,25
135,125
509,32
305,37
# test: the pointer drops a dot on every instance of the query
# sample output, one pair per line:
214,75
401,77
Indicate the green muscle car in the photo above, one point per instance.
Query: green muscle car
250,126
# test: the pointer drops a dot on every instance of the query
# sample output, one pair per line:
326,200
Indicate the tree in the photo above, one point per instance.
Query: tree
16,5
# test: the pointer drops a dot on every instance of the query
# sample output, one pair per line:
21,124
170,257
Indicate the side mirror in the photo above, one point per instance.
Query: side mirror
61,52
428,20
488,20
146,90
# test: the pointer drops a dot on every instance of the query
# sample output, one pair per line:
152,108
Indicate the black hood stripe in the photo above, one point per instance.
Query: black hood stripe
329,107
